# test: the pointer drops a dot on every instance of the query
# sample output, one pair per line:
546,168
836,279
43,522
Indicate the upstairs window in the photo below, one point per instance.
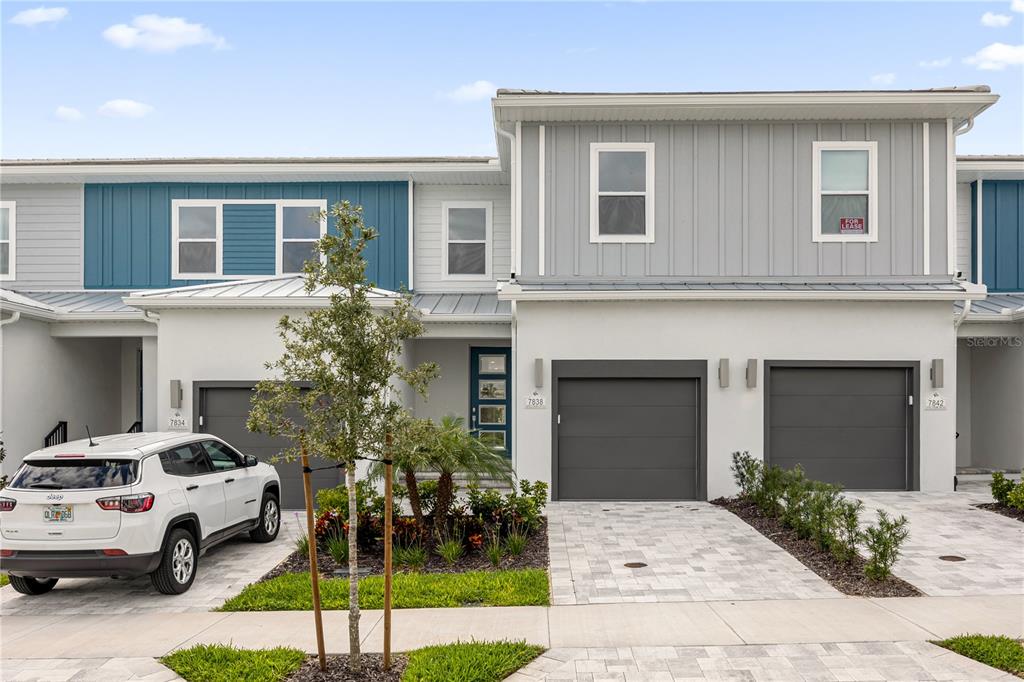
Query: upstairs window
845,176
196,227
300,227
8,222
466,229
622,192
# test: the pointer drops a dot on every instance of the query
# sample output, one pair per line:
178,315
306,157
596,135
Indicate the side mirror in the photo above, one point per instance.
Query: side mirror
251,461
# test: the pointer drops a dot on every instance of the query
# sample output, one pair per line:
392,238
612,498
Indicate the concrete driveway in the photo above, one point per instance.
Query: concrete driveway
223,572
693,551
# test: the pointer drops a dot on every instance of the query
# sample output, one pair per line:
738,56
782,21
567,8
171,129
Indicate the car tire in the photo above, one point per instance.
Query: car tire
178,565
32,586
269,523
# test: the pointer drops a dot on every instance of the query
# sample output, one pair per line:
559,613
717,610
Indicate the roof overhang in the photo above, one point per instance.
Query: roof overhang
959,104
971,168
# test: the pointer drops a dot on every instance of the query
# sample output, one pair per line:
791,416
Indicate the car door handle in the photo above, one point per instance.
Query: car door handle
194,486
229,480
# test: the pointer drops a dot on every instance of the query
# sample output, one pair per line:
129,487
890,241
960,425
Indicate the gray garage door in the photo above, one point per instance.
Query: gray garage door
224,411
627,439
846,425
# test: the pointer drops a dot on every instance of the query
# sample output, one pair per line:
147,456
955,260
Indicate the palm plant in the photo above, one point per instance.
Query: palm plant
410,452
453,449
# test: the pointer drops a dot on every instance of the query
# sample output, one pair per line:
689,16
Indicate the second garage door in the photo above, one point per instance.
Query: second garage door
846,425
627,438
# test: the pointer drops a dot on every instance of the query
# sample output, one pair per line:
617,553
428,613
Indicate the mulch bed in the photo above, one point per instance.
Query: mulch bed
848,578
371,561
1003,509
337,670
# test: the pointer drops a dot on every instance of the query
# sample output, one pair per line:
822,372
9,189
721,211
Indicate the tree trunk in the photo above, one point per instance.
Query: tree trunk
355,661
444,497
414,495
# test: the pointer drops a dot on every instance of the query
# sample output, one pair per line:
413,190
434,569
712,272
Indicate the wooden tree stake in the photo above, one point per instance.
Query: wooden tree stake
314,572
388,477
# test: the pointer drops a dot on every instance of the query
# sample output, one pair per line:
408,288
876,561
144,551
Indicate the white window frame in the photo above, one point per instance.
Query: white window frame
446,206
12,239
595,193
280,238
176,206
871,147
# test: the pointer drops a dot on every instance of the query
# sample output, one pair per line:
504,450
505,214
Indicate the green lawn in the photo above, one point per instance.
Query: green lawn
292,592
462,662
999,652
4,579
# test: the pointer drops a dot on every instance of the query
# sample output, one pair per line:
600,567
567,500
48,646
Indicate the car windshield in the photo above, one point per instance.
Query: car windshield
79,473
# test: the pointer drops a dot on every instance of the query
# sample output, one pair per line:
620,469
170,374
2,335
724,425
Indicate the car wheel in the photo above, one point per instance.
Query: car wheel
178,565
32,586
269,522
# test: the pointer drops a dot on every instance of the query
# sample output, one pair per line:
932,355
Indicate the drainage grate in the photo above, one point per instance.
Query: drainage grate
951,557
635,564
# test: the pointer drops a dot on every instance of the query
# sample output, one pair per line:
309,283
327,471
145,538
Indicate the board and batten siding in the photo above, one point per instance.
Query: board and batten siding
428,239
128,229
48,236
1002,238
735,200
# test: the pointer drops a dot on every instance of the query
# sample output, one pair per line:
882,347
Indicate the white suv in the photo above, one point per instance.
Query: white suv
131,504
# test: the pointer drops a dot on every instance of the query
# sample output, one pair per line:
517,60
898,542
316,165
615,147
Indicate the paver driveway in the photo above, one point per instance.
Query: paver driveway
223,572
694,551
948,524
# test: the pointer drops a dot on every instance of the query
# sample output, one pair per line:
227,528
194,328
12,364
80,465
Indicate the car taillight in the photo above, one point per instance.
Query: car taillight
129,504
114,552
6,552
7,504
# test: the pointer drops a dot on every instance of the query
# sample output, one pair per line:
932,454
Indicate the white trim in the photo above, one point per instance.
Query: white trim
541,199
871,147
488,241
279,238
950,198
218,238
926,198
12,240
411,236
979,233
517,241
595,234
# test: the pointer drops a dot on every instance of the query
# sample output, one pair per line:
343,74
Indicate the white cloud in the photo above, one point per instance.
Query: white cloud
154,33
997,57
39,15
883,78
1017,6
472,92
125,108
935,63
67,113
993,20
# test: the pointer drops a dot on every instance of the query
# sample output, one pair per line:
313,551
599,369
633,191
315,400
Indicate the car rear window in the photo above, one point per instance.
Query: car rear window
76,474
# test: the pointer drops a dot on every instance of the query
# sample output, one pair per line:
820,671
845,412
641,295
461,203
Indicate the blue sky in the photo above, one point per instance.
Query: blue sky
124,79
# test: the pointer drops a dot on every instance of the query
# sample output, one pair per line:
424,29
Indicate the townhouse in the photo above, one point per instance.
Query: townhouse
637,286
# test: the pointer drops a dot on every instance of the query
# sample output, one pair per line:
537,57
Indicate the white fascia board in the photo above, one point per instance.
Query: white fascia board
239,302
969,171
74,328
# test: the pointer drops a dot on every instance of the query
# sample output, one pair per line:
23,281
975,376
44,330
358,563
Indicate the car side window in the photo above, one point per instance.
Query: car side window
222,456
185,460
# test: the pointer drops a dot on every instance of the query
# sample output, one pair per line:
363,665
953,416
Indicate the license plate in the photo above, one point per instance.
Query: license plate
58,513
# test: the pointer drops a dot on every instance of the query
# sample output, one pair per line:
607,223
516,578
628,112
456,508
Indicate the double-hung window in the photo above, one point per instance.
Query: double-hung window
8,225
466,230
845,176
301,224
196,226
622,192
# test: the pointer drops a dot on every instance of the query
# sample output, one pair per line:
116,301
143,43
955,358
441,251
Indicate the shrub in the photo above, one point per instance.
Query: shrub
515,541
487,504
1016,497
747,473
1001,488
337,548
822,510
411,556
796,490
302,545
847,530
769,490
883,542
450,544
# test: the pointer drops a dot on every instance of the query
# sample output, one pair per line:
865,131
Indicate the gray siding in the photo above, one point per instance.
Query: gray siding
964,213
48,236
427,246
735,200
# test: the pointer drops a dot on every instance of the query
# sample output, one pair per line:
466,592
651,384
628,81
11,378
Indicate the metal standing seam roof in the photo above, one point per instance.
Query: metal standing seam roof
451,305
71,305
260,291
996,308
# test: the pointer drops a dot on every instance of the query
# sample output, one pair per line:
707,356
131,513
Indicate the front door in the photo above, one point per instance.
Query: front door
490,396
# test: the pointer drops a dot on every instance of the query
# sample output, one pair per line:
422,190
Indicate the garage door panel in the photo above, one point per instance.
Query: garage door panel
851,411
617,452
838,381
639,392
627,420
628,484
835,443
862,473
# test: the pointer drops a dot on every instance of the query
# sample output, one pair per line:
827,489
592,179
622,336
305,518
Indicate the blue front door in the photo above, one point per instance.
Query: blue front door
490,396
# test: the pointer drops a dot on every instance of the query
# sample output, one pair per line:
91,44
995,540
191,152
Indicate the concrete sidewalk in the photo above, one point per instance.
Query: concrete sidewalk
593,625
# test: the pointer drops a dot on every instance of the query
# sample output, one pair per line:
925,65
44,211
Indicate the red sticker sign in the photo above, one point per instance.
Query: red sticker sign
851,226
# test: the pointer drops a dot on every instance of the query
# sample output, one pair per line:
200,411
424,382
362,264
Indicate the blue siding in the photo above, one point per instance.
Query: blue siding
250,232
128,228
1002,230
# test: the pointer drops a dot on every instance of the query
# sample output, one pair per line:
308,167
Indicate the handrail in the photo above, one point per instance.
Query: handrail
58,435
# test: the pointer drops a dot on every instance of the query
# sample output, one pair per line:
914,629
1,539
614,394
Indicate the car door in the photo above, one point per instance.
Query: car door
241,484
204,487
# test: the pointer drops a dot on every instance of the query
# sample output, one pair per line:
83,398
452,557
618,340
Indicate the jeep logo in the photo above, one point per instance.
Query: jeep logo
54,497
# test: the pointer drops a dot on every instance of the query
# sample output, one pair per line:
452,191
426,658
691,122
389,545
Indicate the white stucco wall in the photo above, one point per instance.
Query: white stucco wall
826,330
997,402
449,393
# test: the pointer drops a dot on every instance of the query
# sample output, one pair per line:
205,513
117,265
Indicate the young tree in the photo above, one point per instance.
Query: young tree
331,390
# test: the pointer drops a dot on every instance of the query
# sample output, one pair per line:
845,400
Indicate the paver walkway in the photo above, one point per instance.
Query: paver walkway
694,551
85,670
223,572
859,661
948,524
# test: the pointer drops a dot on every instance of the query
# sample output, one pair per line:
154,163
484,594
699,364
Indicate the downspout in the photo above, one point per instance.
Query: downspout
150,316
967,302
15,316
514,190
963,314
